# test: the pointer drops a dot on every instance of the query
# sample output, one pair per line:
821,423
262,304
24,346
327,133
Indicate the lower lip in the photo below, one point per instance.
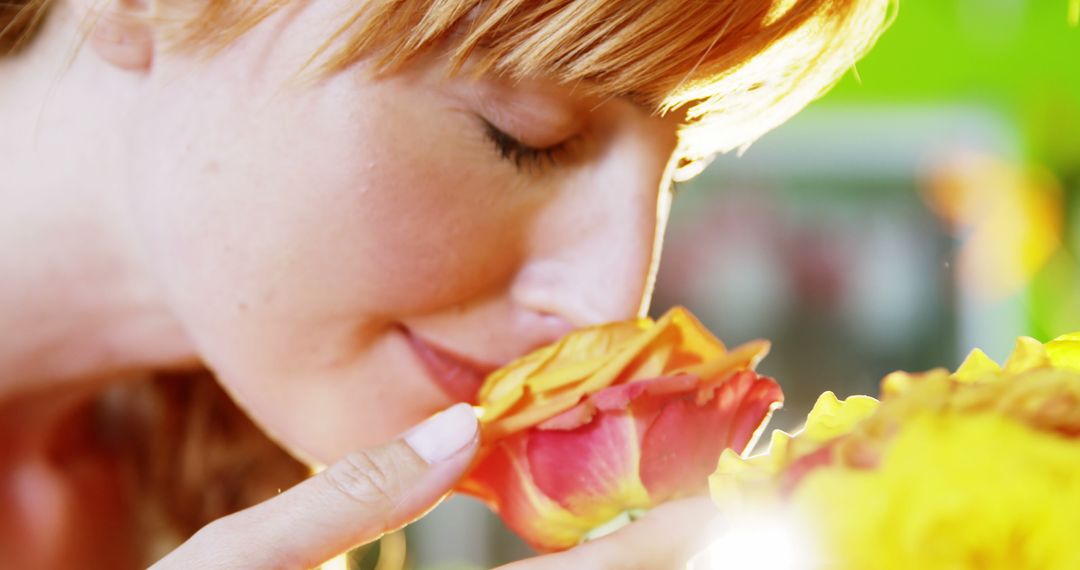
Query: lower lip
460,379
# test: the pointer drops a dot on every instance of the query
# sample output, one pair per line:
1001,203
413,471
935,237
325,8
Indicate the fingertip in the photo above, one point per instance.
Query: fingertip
445,434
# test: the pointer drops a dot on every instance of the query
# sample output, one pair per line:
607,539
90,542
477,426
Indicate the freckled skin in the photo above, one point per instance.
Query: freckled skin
297,226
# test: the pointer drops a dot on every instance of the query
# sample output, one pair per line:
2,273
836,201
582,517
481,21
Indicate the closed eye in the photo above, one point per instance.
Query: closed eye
521,155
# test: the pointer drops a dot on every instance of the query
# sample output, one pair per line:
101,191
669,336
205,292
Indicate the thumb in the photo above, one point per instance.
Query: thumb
352,502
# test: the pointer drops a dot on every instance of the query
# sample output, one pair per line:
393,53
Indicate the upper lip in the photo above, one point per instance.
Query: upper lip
458,375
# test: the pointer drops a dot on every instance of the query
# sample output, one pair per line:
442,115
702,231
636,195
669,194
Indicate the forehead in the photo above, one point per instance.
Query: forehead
740,67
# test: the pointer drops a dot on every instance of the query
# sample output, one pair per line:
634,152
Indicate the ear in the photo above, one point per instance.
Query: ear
122,33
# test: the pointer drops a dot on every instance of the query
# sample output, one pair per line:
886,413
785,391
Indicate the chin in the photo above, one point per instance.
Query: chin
365,403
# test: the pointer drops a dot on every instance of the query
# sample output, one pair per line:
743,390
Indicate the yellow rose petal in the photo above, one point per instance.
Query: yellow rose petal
1064,351
1027,355
832,417
976,365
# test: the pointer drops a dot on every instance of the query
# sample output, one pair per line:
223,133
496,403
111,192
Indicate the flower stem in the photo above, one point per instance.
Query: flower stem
620,520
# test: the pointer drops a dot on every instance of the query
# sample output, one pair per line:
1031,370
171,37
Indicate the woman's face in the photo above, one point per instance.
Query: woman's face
351,255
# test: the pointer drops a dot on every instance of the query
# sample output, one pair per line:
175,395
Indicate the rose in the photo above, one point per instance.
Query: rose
972,469
583,435
1039,386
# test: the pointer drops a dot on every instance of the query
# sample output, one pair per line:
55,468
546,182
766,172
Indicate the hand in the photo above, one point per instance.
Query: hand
353,502
664,539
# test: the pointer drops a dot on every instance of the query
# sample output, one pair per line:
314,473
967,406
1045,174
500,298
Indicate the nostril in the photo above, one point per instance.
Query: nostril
555,326
542,328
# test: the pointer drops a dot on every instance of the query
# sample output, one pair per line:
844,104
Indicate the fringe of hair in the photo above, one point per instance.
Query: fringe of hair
738,67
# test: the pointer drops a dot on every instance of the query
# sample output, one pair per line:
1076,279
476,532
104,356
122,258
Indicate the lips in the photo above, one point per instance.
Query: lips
459,376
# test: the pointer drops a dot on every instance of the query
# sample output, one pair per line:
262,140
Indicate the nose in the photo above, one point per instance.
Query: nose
593,252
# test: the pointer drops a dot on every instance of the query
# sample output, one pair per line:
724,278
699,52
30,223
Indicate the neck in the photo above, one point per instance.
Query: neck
76,302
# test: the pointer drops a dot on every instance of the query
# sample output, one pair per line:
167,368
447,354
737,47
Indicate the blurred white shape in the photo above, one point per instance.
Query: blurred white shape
892,282
745,287
459,533
339,562
763,541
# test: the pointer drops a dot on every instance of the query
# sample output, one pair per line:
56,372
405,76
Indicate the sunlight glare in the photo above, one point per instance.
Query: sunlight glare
770,541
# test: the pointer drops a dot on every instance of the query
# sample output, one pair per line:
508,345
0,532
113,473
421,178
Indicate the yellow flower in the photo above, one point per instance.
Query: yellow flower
1064,352
830,418
1036,386
980,492
976,469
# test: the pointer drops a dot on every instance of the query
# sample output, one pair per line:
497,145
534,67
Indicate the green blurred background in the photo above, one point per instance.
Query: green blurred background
929,204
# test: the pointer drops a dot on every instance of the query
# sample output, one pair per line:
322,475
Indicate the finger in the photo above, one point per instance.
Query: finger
667,537
352,502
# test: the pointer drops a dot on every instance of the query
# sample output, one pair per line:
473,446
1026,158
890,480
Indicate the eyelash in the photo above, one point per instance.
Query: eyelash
520,154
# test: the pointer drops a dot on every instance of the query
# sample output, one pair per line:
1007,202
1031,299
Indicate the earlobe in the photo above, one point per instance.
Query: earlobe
122,34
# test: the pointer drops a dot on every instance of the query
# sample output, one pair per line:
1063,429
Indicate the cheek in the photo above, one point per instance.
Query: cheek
325,203
430,224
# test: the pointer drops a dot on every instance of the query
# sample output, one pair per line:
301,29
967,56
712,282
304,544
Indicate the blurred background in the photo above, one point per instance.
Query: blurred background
929,204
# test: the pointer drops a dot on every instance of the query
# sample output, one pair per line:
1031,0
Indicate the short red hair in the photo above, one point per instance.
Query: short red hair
738,68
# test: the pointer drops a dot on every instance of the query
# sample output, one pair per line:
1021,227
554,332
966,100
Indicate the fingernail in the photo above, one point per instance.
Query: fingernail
443,434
